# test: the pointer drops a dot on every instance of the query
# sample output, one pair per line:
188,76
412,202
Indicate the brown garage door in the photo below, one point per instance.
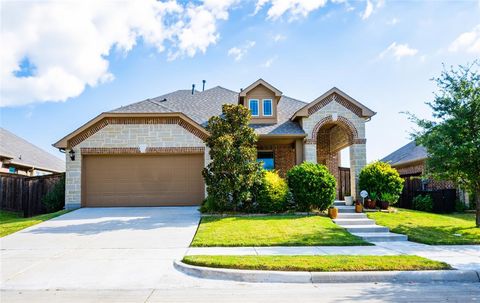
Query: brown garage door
142,180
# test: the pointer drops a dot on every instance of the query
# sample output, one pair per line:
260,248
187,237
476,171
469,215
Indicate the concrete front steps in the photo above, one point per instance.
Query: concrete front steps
359,225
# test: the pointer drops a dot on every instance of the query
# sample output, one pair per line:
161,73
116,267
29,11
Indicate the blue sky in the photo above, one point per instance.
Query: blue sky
381,53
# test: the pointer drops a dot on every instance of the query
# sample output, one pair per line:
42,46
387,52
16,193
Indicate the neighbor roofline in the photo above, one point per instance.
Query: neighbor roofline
35,167
303,112
63,143
397,164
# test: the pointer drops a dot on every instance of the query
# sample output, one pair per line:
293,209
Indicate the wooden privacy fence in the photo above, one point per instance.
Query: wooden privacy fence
25,194
412,184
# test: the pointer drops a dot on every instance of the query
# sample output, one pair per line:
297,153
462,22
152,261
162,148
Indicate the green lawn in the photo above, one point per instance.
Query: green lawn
11,222
428,228
318,263
272,231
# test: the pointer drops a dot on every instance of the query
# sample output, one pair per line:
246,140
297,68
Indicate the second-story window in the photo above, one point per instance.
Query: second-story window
267,107
253,105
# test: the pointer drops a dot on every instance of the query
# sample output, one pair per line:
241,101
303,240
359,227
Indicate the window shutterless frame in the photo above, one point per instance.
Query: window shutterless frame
253,106
267,107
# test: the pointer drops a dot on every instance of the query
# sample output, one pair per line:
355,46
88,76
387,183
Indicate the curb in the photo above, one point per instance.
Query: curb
265,276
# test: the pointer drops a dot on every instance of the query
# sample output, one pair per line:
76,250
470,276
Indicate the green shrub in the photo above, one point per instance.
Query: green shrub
312,186
54,200
460,207
380,178
209,205
273,193
423,203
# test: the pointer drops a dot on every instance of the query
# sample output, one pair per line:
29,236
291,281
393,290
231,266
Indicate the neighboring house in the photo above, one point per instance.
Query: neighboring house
409,160
19,156
152,152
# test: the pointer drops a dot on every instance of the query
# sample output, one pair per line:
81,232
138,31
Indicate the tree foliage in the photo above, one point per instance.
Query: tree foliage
452,137
234,170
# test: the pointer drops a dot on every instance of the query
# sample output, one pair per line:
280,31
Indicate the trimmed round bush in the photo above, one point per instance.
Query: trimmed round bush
380,178
312,186
273,193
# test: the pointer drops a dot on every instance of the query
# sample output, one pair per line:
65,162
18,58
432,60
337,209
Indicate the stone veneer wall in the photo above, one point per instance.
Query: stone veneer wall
357,150
126,136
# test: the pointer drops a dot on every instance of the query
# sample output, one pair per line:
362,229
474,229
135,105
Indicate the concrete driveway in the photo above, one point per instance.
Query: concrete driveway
100,248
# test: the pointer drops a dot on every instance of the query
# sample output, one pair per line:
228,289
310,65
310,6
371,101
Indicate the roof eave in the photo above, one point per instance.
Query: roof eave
63,143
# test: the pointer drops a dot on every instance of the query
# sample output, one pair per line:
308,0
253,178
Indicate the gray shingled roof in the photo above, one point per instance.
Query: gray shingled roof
202,105
407,153
27,154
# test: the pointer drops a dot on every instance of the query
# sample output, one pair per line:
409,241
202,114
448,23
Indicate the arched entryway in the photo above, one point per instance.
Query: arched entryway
331,135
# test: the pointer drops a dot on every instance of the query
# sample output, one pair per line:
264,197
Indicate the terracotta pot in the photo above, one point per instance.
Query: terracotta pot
358,208
333,212
370,204
384,204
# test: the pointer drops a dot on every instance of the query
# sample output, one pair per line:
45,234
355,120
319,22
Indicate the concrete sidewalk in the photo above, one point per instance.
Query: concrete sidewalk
464,257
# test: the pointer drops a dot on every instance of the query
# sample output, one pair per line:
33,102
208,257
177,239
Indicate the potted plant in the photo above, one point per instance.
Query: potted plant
332,212
348,200
372,201
386,199
358,207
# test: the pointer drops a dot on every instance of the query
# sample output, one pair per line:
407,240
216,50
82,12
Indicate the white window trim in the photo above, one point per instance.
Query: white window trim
258,107
271,107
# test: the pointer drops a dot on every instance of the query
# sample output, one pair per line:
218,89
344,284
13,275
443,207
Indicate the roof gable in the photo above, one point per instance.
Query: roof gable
260,81
331,95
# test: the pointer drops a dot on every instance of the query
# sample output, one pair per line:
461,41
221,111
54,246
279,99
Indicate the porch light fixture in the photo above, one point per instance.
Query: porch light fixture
72,154
142,148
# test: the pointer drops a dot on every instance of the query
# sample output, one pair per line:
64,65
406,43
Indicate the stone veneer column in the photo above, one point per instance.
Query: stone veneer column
358,159
310,152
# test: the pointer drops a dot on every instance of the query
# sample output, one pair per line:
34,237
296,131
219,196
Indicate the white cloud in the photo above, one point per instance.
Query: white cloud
238,52
269,62
279,37
468,42
68,42
296,8
368,10
398,51
392,21
371,7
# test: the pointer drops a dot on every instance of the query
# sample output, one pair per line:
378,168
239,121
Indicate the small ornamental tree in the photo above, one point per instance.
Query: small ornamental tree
452,137
312,186
234,170
379,178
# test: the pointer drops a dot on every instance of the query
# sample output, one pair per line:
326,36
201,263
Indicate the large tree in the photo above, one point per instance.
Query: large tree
452,137
234,170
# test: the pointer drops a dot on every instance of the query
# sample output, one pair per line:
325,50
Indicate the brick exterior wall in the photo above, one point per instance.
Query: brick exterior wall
126,138
284,158
419,168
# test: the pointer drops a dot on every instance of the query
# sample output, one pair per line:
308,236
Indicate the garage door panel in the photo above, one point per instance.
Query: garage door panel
143,180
